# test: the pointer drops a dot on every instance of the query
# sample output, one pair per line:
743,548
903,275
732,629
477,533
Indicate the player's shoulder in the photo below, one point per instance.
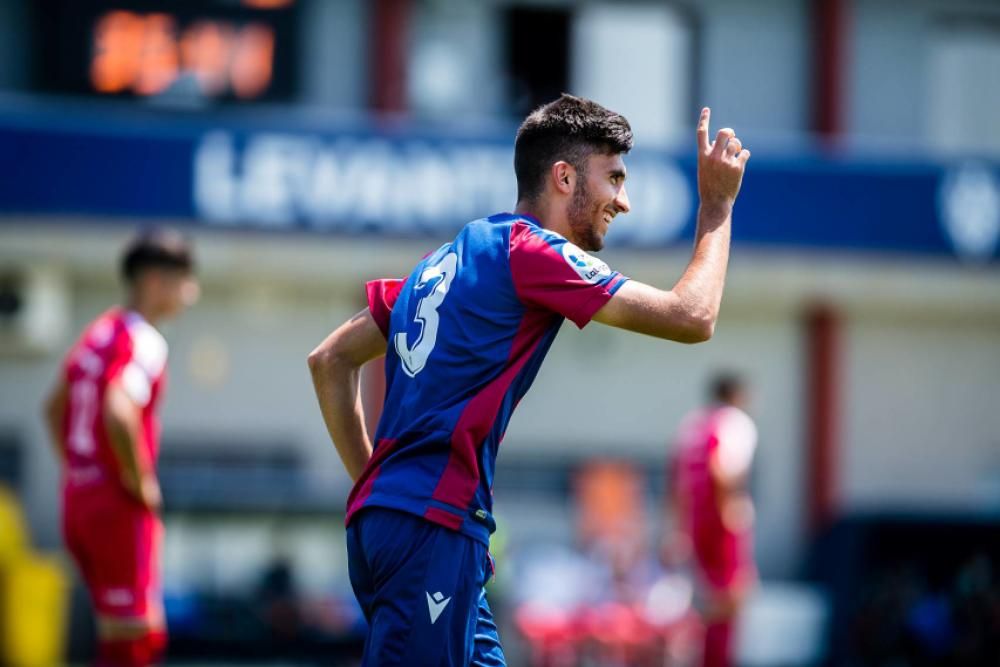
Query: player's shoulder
148,346
733,424
507,226
490,238
103,332
100,342
491,228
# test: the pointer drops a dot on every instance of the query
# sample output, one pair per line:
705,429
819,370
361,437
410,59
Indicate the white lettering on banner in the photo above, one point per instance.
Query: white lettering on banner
214,179
969,203
276,169
405,187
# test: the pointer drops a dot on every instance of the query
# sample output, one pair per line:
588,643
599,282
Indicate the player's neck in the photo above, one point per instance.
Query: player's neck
548,216
143,308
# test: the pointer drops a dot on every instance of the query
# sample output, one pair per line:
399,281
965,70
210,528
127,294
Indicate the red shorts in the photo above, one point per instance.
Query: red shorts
725,559
116,543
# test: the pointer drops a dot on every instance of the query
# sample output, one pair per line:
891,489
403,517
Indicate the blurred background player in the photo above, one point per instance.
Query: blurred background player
467,333
102,417
713,513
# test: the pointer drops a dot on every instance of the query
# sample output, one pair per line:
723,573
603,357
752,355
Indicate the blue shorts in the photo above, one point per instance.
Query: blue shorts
421,587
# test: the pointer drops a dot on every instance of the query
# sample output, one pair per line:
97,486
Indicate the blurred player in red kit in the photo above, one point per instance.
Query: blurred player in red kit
712,509
102,417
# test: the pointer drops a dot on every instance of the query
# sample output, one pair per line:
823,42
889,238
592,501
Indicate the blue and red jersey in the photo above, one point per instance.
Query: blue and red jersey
466,334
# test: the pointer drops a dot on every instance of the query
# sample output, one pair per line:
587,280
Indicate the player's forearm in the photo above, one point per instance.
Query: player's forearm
124,443
720,173
335,366
122,425
686,313
338,390
700,288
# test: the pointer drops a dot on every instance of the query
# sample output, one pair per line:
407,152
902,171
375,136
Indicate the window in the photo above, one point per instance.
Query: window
963,92
537,56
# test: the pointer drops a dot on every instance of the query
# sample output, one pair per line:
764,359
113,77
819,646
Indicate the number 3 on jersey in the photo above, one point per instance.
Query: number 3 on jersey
415,358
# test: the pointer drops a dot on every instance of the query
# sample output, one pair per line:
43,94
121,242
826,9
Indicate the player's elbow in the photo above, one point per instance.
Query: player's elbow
701,319
704,329
318,359
684,319
696,329
327,356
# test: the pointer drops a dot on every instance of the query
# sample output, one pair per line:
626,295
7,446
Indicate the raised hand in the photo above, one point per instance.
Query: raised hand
720,164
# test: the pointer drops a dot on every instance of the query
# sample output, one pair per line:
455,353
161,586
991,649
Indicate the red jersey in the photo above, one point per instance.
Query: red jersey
118,346
710,442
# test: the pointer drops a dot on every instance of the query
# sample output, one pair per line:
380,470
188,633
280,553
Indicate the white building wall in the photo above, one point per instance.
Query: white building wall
333,54
754,68
456,62
636,59
921,425
889,77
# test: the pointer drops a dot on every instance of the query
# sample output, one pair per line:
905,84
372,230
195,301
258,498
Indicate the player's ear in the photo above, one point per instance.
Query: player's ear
564,177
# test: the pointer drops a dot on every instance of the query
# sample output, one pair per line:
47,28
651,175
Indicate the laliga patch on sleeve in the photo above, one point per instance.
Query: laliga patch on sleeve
587,267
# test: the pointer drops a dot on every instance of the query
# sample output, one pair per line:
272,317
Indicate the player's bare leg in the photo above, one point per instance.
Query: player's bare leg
131,642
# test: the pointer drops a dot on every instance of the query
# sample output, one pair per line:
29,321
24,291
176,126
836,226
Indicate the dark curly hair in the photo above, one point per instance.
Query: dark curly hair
570,129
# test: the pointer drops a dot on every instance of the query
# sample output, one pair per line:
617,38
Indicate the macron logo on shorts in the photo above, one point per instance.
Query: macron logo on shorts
436,604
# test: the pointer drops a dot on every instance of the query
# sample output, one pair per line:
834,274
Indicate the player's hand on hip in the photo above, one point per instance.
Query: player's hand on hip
146,489
151,496
720,164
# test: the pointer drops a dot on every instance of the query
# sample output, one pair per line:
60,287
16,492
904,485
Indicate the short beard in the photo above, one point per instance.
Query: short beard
581,218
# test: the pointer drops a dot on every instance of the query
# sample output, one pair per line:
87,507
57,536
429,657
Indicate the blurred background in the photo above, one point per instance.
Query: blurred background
310,145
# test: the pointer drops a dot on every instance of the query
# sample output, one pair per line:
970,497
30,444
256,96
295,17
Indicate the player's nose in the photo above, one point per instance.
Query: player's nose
621,201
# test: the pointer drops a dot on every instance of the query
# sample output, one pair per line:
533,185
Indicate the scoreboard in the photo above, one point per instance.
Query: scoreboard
216,50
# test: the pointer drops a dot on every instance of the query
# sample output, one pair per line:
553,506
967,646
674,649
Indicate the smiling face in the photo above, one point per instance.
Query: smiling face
599,195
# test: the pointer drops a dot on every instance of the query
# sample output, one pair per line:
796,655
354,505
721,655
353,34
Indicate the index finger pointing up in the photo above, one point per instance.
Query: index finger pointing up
706,114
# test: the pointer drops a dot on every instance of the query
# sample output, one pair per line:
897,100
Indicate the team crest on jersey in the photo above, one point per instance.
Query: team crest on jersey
587,267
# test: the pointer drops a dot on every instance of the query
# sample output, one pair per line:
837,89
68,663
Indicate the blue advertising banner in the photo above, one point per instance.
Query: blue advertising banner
412,184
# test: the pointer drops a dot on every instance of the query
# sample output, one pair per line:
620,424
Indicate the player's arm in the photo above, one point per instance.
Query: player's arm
729,468
732,457
728,478
54,413
122,418
688,312
335,366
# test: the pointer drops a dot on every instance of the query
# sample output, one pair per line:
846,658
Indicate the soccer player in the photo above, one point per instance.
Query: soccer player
713,511
464,336
102,418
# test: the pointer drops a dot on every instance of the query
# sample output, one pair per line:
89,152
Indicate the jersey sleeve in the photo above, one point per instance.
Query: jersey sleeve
550,272
382,295
737,436
138,361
